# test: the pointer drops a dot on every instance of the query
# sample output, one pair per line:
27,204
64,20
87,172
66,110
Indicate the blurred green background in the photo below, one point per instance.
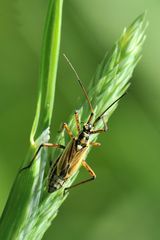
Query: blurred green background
123,203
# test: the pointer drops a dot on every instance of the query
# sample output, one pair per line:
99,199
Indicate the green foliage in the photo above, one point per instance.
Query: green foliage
24,198
30,209
48,71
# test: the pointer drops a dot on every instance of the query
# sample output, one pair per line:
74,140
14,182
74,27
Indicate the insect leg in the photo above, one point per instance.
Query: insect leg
104,124
97,131
77,121
104,129
52,145
95,144
91,172
68,130
90,117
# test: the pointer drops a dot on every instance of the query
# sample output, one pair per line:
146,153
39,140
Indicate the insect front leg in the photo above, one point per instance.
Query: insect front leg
77,121
104,129
95,144
90,117
52,145
91,172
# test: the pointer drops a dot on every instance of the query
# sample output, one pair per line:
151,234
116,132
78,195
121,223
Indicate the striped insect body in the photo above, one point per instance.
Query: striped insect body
74,153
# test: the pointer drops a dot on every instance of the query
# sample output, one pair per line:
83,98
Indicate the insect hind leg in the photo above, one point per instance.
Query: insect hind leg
91,172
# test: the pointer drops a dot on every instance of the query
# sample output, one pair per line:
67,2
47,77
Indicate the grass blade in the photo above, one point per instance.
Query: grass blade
25,194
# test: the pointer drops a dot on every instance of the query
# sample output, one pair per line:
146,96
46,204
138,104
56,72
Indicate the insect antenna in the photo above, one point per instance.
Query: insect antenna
80,82
99,117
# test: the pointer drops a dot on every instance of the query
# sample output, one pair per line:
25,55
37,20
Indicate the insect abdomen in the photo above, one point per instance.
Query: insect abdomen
55,183
54,180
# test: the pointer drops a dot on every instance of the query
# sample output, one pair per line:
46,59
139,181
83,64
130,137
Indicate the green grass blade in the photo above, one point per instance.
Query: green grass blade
30,209
48,72
111,80
25,194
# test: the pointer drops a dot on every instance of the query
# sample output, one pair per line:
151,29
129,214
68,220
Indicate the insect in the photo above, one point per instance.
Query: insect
73,154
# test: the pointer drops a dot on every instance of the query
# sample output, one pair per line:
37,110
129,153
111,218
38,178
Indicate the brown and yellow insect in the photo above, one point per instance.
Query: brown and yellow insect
73,155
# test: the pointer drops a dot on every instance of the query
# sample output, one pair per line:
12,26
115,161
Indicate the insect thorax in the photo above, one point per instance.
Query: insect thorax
82,140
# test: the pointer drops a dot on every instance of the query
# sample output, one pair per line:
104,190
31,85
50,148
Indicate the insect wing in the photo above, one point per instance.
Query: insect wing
70,160
64,160
76,161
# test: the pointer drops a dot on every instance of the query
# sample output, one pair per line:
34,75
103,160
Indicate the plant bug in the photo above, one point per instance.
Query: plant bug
73,154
